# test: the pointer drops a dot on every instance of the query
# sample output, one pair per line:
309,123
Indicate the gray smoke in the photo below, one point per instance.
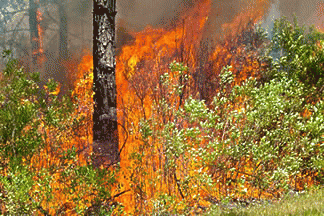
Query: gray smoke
135,15
305,10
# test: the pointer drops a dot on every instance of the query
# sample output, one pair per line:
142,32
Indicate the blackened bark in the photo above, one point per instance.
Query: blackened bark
105,134
33,30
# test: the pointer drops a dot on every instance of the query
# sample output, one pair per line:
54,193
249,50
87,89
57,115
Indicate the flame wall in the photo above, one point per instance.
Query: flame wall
145,52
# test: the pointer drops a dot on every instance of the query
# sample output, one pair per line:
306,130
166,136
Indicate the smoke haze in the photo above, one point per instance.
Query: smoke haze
135,15
304,9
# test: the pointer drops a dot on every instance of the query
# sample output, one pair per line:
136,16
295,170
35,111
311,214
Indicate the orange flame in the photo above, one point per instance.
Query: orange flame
320,16
40,47
139,66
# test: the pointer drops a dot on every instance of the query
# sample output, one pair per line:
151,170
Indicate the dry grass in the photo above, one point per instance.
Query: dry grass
308,203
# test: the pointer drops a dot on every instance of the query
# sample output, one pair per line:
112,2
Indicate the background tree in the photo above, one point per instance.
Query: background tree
13,28
105,134
33,28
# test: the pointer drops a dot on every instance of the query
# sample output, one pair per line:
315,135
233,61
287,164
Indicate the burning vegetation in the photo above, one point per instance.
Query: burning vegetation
203,118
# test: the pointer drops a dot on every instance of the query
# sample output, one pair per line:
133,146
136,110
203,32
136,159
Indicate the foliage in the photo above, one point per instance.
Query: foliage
300,53
254,141
17,111
14,192
25,109
41,172
257,140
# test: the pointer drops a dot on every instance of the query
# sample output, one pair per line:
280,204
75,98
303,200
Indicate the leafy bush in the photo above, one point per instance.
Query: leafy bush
37,163
254,141
300,52
15,192
257,140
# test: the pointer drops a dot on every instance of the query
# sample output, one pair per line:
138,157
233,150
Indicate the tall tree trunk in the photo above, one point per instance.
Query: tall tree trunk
105,134
33,31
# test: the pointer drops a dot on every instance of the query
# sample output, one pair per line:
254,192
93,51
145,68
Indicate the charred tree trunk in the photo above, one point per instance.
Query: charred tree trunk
33,31
105,134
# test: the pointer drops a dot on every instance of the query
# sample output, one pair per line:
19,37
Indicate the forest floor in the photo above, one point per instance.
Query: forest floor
303,203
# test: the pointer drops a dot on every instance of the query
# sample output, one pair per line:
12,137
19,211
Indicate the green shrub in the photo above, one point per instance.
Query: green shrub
28,117
25,111
257,136
301,54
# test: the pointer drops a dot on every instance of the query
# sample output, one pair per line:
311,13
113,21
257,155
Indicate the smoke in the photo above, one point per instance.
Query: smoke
308,12
304,9
135,15
224,12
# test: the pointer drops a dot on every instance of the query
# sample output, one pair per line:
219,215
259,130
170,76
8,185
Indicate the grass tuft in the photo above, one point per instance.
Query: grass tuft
309,203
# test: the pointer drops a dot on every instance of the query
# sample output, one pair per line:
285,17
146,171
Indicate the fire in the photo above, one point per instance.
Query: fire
39,52
71,138
319,14
153,44
139,67
253,12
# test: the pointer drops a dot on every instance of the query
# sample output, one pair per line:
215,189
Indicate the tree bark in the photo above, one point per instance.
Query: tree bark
105,134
